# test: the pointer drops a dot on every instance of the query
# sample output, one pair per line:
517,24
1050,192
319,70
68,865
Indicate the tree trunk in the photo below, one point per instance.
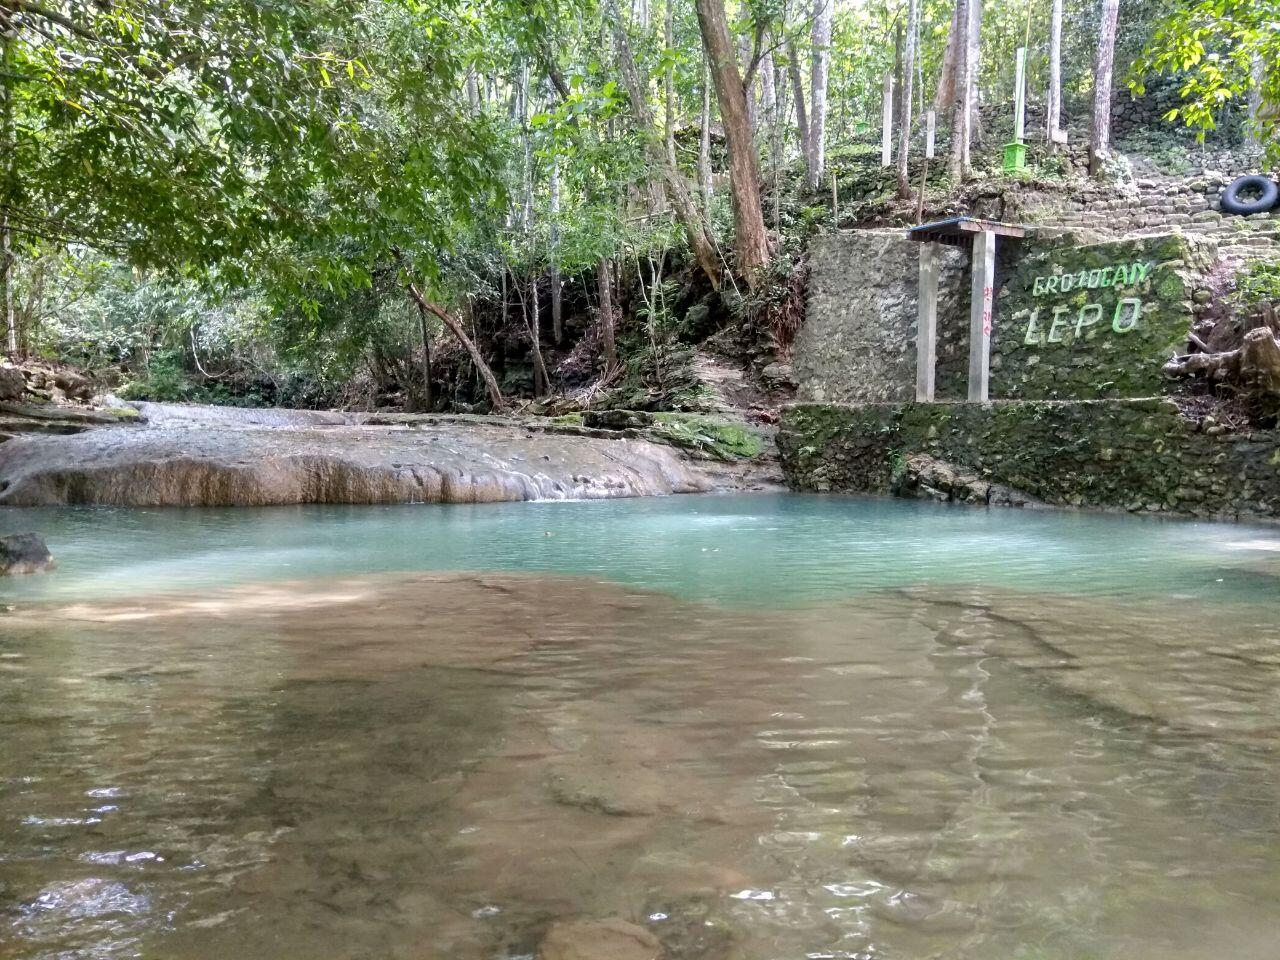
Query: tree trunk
1103,66
704,140
974,78
768,95
482,368
6,287
898,54
819,64
797,92
604,280
428,400
944,100
473,90
1257,72
677,190
959,111
908,79
777,147
749,84
557,321
9,158
1254,366
533,324
1053,118
526,176
751,246
669,83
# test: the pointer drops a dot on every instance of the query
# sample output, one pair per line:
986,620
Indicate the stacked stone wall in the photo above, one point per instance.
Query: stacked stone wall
1140,455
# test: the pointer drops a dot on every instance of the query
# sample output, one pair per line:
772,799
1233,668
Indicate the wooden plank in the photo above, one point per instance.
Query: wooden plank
930,134
965,227
981,302
969,225
927,324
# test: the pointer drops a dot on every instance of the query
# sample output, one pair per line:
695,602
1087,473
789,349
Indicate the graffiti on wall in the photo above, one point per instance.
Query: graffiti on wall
1051,323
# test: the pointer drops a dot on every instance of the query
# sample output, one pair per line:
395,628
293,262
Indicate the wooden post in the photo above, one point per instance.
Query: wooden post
1020,96
835,200
930,130
886,139
927,323
982,295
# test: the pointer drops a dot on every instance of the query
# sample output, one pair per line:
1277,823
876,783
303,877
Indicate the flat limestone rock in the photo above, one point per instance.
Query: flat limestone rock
608,939
219,457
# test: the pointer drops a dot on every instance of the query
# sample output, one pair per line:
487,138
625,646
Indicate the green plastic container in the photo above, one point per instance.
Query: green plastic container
1015,156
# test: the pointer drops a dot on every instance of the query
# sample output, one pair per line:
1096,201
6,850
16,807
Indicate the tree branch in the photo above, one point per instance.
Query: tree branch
37,10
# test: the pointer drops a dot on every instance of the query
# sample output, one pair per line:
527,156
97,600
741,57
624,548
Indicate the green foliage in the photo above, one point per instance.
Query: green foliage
1221,50
1258,283
250,135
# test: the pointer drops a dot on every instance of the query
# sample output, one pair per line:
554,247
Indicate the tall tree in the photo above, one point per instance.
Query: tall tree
909,54
1103,67
945,97
974,76
751,246
700,243
669,81
557,317
820,63
797,93
704,139
604,286
960,130
1053,119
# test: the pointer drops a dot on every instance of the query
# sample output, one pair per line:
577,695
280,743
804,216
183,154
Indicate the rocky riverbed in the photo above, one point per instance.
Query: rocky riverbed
215,456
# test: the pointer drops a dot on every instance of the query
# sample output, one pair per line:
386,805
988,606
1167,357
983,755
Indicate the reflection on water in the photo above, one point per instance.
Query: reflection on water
895,763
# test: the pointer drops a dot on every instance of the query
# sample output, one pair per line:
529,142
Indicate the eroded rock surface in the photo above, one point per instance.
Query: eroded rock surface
194,456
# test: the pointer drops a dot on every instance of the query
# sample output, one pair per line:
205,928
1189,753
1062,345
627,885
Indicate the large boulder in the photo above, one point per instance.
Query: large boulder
12,383
24,553
608,939
74,386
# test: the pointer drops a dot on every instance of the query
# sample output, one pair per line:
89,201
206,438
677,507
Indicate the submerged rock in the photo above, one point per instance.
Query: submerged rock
24,553
215,457
922,477
609,939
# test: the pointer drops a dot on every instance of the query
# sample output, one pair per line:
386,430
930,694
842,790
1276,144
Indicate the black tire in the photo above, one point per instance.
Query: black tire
1267,190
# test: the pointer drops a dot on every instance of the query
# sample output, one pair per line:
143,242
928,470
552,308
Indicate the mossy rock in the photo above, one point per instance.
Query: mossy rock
722,439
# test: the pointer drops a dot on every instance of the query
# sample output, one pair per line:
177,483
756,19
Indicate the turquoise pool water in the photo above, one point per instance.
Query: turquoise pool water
756,550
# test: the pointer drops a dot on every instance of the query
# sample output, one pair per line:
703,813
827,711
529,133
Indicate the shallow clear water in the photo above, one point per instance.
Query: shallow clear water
759,550
760,727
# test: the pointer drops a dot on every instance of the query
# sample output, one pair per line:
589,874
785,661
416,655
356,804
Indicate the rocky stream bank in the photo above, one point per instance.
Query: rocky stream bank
174,455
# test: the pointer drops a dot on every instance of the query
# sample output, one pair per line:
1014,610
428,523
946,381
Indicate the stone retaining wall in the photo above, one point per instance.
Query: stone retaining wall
1136,454
857,344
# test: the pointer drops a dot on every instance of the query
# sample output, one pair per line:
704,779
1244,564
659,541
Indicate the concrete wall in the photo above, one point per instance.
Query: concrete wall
1085,322
857,344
